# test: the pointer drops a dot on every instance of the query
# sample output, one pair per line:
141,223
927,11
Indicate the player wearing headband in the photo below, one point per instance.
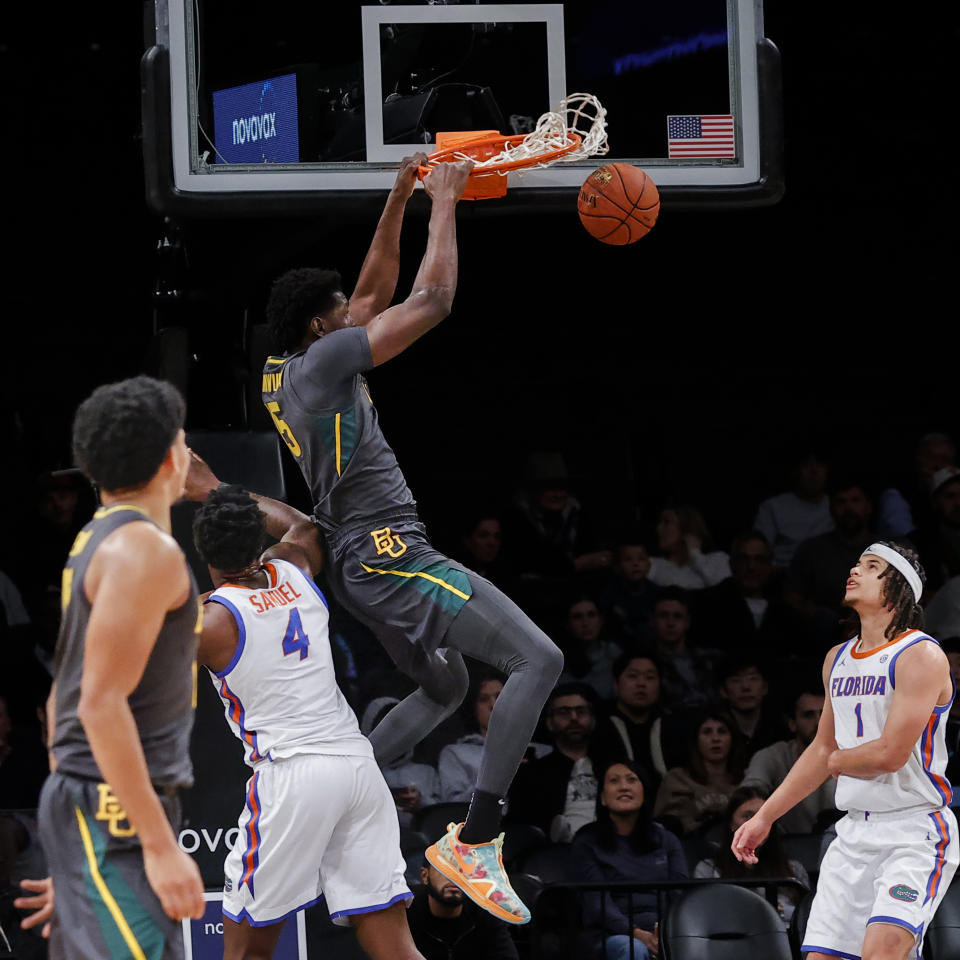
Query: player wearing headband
882,736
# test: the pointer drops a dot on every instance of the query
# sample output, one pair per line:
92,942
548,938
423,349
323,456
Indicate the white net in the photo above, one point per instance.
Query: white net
579,113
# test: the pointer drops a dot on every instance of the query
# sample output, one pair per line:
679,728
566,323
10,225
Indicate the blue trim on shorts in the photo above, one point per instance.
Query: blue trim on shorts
832,953
245,915
896,921
240,628
380,906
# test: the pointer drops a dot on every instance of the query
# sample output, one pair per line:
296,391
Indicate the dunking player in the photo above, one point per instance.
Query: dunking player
882,736
381,566
123,694
318,813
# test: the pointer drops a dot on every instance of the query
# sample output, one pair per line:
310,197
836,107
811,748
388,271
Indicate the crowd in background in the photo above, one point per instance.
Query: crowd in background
693,669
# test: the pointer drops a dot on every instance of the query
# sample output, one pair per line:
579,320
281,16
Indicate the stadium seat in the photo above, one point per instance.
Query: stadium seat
432,821
942,941
723,922
412,841
798,922
557,924
552,863
520,839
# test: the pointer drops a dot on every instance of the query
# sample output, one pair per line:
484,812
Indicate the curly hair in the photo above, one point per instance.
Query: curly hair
897,596
295,298
123,430
229,530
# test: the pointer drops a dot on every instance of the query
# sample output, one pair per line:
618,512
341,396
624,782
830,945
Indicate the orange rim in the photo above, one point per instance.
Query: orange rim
485,147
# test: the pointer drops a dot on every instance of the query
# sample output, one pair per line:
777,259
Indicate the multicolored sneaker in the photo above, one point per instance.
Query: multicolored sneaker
477,869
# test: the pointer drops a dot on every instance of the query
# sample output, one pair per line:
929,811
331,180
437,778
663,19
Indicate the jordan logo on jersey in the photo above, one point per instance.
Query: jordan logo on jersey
858,686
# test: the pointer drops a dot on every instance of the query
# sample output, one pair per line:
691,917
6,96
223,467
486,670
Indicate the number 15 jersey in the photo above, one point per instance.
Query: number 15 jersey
861,691
279,690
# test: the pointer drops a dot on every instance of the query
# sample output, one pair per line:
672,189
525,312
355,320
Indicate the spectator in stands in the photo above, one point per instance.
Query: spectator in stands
459,763
746,609
743,691
938,541
589,646
550,536
558,792
821,564
413,785
628,597
481,549
942,613
694,796
769,766
772,860
686,671
903,508
447,926
688,559
789,518
636,726
625,844
23,756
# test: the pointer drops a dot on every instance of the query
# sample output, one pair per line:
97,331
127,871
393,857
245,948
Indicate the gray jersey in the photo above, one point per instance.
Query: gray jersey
162,703
320,404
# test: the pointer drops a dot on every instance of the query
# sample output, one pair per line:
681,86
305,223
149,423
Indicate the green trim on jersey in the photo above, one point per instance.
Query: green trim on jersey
445,586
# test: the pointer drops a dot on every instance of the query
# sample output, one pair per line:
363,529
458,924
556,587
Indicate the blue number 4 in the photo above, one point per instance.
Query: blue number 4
295,638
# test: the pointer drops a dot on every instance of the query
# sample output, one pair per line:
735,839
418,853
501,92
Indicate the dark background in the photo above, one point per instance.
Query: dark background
692,363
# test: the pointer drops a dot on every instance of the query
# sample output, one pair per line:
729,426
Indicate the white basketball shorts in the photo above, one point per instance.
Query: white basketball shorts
881,868
312,826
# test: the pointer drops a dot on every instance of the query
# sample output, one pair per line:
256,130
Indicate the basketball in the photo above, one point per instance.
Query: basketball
618,203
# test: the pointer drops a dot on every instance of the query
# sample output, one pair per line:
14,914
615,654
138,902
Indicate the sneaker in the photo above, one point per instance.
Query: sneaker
477,869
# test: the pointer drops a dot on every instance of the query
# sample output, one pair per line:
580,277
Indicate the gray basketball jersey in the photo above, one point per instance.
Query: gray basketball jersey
163,701
321,406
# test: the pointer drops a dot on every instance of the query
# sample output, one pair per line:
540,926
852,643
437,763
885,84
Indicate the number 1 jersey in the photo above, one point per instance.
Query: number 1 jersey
279,690
861,691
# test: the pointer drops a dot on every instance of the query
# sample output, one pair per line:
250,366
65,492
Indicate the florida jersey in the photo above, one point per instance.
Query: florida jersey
279,691
861,692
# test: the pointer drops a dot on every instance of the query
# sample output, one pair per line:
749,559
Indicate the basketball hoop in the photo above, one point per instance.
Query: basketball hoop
575,130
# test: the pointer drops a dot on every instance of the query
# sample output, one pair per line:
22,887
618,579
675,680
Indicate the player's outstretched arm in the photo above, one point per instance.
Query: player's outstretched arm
381,266
922,674
431,297
300,539
136,576
804,777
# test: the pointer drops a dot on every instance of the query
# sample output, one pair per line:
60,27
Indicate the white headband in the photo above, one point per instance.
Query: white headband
899,563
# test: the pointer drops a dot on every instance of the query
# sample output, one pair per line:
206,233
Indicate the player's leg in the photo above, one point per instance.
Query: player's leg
243,941
493,629
887,941
385,934
443,682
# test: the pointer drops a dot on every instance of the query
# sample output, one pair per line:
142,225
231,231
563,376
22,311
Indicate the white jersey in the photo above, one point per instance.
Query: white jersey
861,691
279,690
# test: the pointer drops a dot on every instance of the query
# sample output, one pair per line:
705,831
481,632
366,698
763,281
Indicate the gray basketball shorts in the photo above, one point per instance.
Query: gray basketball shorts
105,908
393,581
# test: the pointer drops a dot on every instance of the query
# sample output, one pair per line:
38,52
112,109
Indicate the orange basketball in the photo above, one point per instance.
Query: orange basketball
618,203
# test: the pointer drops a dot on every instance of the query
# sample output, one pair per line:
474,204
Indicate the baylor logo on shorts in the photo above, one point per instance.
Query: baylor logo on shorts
111,811
387,542
902,892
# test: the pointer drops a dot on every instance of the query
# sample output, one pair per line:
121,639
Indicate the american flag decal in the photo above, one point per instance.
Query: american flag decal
707,136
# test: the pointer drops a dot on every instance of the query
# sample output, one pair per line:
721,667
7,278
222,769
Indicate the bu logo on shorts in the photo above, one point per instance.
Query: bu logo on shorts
902,892
387,542
109,809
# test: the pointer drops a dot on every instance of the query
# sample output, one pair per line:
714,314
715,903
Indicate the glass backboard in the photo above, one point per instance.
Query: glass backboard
253,106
